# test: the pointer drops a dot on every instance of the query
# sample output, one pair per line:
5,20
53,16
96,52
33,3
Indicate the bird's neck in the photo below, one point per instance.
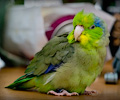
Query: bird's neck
88,44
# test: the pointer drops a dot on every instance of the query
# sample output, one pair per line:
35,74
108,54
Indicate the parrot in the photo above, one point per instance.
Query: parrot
69,62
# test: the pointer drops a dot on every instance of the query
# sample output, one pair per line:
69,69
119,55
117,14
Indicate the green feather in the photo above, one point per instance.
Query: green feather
82,61
18,83
48,55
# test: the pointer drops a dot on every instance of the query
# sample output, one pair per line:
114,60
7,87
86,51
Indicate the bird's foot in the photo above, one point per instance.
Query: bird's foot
92,93
63,93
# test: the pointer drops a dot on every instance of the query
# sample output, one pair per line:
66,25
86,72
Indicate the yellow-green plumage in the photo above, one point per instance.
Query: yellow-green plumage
80,62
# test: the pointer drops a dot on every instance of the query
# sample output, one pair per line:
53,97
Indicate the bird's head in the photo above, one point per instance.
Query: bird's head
88,30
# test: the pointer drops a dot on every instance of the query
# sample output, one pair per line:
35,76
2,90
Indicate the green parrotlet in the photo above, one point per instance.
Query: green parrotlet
68,63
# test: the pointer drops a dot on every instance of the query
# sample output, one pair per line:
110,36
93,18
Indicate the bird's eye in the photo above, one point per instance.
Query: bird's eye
92,27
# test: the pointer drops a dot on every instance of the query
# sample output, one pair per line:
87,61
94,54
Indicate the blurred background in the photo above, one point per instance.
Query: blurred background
27,25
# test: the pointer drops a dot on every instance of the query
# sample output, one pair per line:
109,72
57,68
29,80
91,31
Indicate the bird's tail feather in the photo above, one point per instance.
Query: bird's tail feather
20,83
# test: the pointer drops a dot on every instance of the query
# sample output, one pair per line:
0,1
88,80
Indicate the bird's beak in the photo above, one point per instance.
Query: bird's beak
77,32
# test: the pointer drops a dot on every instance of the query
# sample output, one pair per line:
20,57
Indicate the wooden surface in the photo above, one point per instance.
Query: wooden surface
9,74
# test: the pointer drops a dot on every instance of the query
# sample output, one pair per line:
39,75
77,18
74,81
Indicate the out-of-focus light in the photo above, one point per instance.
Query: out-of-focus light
2,64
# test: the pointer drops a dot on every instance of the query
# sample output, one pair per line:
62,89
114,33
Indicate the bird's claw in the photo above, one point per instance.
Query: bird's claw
63,93
92,93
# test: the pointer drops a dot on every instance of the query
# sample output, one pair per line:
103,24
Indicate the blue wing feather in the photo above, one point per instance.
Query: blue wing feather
52,68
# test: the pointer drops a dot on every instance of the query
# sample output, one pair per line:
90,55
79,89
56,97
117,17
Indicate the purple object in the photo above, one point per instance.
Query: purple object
57,23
